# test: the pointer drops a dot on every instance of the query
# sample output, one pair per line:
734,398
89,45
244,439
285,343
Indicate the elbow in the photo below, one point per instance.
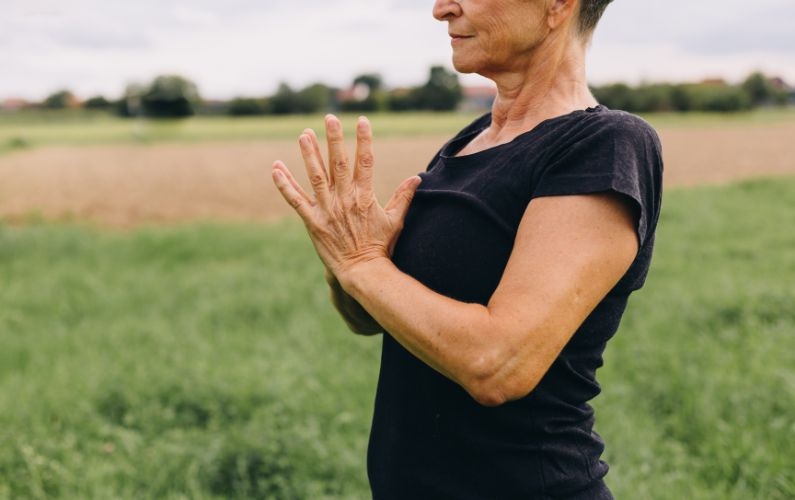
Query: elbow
491,395
488,397
492,385
364,330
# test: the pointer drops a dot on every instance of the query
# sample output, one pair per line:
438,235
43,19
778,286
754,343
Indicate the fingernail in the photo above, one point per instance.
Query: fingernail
304,140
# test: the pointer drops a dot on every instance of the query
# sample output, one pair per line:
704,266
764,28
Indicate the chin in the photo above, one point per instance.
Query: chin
464,66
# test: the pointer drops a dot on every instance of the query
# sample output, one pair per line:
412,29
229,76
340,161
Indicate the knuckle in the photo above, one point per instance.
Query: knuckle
317,179
366,160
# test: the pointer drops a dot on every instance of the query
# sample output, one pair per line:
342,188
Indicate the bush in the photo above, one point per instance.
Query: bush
97,102
667,97
248,106
719,98
60,100
169,96
442,92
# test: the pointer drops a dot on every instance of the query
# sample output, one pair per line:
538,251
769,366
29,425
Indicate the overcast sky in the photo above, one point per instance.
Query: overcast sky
246,47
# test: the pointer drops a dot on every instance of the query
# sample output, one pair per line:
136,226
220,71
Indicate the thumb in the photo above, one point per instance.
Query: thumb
398,205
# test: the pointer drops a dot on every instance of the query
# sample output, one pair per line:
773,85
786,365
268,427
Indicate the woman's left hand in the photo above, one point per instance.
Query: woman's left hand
345,222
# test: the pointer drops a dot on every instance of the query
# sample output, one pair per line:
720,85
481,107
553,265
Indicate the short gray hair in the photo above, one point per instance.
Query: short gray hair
590,13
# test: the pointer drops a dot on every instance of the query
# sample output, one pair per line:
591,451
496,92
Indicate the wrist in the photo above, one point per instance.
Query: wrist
356,278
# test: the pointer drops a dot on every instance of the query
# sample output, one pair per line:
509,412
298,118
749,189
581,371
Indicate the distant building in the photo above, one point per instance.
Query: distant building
716,82
781,85
778,83
358,92
13,104
477,98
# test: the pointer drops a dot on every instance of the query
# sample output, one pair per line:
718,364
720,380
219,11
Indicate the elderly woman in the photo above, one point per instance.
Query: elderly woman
497,275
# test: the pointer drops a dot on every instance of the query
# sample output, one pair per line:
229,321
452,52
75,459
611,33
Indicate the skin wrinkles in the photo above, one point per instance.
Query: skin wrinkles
569,251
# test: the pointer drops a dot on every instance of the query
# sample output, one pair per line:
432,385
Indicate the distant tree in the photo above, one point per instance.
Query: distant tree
170,96
725,99
716,98
313,98
284,101
247,106
130,103
372,80
442,92
368,94
758,88
401,101
375,101
681,98
97,102
653,97
781,98
60,100
615,96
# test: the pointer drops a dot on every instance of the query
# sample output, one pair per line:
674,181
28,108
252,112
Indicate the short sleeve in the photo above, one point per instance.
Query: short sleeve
617,152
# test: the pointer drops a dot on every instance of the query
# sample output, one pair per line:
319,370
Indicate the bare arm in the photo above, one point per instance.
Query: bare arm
355,316
569,252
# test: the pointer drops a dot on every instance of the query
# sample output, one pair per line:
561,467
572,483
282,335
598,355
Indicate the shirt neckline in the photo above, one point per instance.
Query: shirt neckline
449,151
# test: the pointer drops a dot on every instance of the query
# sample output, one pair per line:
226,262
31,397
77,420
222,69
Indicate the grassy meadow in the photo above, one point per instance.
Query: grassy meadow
78,127
205,361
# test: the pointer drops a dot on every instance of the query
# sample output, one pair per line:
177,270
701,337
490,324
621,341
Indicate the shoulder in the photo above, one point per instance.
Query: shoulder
620,125
604,137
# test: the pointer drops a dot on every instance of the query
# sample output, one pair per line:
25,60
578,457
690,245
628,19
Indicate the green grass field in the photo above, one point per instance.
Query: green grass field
76,128
205,361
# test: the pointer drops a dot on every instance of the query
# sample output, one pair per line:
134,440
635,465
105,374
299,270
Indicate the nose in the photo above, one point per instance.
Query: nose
444,9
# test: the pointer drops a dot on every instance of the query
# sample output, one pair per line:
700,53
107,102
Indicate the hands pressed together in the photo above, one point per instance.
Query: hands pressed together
344,220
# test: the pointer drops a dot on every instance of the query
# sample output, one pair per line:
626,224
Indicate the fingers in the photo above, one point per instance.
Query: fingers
339,170
290,194
316,145
315,170
398,205
281,166
363,166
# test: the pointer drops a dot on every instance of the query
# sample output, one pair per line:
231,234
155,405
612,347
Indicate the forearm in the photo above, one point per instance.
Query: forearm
453,337
355,316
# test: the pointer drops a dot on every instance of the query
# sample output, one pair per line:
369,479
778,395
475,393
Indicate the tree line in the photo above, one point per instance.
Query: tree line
173,96
717,96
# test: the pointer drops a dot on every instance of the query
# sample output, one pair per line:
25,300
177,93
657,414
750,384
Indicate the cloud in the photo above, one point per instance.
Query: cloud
764,29
249,46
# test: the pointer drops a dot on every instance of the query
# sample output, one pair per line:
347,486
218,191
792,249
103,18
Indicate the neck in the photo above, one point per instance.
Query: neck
549,82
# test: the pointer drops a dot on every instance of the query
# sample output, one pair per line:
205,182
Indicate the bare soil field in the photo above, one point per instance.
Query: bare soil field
129,185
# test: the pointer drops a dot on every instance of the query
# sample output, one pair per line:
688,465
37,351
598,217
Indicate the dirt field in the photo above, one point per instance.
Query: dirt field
124,185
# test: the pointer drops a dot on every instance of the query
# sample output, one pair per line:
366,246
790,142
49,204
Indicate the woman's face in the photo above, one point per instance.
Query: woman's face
500,34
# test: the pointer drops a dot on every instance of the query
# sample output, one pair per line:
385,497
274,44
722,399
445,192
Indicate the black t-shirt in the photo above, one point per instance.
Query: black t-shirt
430,438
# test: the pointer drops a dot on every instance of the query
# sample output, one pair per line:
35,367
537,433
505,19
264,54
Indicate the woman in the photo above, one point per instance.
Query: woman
515,259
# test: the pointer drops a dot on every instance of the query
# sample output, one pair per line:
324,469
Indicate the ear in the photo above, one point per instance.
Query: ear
561,12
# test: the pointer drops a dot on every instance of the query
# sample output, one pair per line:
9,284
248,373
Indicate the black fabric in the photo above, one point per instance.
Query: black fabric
429,438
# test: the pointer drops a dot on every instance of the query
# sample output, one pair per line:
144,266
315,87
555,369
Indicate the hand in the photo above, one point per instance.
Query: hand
344,220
